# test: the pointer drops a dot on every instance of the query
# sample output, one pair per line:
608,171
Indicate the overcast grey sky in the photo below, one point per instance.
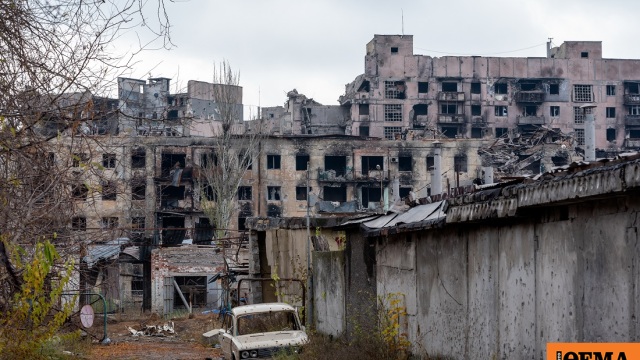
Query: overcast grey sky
318,46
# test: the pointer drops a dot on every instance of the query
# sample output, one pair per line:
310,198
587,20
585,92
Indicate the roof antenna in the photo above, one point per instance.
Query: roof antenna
402,15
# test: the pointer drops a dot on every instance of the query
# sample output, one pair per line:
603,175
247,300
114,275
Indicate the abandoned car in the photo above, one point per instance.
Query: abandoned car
260,331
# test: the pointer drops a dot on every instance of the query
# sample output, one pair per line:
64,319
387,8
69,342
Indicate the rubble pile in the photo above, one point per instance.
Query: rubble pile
153,330
513,154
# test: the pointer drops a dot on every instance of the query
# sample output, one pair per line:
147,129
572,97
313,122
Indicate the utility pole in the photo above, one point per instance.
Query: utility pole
309,317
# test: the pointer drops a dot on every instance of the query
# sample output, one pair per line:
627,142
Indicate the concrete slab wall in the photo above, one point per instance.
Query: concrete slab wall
503,290
329,292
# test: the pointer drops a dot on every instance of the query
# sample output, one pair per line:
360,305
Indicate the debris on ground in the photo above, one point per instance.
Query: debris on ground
154,330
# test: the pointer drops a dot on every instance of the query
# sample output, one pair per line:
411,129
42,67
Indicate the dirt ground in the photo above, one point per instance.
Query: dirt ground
186,344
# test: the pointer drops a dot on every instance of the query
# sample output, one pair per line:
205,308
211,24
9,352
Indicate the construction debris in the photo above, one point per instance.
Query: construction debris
528,151
153,330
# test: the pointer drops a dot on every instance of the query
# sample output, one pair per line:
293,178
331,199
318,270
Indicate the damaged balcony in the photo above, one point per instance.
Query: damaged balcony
632,99
451,118
535,96
530,120
632,143
632,120
450,96
478,120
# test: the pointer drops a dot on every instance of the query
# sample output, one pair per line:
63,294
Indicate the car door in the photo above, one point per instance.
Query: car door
227,336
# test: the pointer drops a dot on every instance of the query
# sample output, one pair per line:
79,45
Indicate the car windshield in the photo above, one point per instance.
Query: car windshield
266,322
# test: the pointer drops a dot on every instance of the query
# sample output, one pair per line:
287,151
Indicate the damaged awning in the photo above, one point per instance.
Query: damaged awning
421,216
106,251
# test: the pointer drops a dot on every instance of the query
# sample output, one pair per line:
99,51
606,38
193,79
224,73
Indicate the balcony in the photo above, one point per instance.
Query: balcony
632,99
632,120
632,143
450,96
530,120
534,97
478,120
451,118
337,206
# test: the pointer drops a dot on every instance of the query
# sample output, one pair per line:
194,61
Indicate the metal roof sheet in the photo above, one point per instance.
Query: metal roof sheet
105,251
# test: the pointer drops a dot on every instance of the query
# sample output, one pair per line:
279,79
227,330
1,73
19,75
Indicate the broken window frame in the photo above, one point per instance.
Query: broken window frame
501,88
554,111
476,87
579,114
393,112
404,192
501,131
582,93
337,194
109,161
79,191
477,132
273,162
501,111
274,193
554,89
423,87
245,193
611,134
138,223
530,110
405,163
138,159
395,89
138,189
391,131
610,112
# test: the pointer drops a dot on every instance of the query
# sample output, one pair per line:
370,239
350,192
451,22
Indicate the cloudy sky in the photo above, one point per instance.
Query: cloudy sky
318,46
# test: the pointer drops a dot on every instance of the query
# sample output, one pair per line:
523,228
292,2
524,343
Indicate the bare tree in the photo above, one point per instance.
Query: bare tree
57,62
236,146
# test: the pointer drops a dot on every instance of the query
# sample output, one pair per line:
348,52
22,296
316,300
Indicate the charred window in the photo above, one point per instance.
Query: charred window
301,192
273,193
419,110
423,87
172,114
209,193
394,89
460,163
530,110
338,194
245,193
371,194
364,130
611,134
500,110
502,131
372,163
405,163
208,159
336,163
476,133
302,162
404,192
394,49
476,110
273,162
79,223
173,231
554,89
528,86
138,158
501,88
170,162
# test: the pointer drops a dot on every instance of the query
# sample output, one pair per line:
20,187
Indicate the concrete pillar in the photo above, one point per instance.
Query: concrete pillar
436,175
487,174
589,133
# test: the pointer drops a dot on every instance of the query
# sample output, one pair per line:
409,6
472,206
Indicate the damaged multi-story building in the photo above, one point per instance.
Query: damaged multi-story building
410,127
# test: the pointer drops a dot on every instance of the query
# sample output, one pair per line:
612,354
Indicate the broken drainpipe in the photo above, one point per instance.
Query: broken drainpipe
436,175
589,132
